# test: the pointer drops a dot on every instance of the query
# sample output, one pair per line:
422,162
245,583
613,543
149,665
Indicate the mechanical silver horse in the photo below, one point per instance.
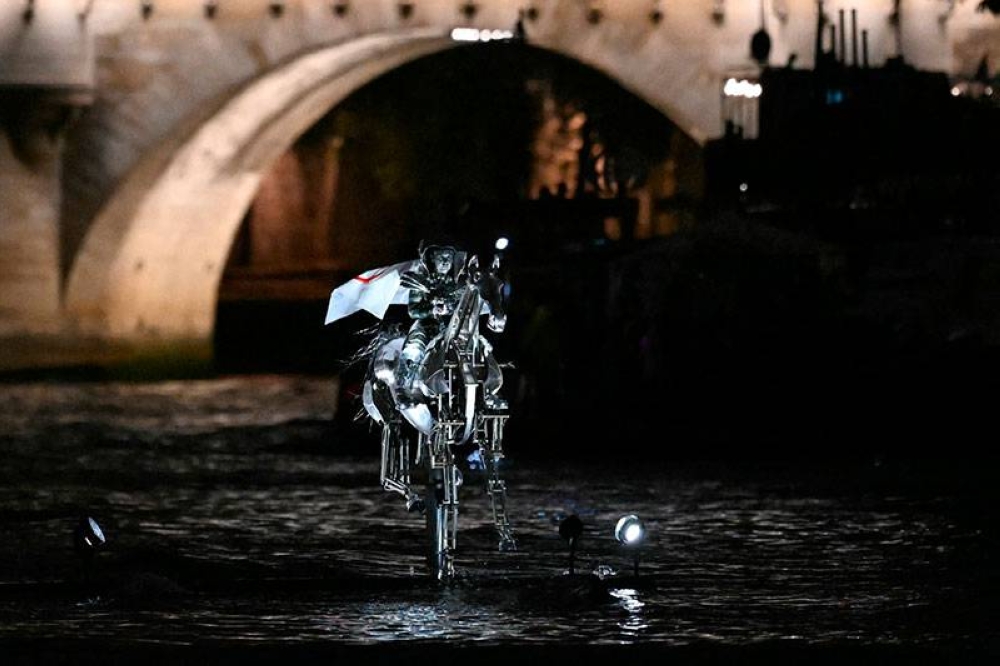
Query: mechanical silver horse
459,412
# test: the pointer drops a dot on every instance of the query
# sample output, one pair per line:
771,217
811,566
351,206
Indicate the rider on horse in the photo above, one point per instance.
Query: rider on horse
435,289
435,389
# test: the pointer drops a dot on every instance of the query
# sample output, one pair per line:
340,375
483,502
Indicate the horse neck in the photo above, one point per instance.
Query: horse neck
464,323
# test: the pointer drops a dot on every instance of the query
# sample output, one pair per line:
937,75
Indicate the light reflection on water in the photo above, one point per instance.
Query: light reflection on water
629,599
233,515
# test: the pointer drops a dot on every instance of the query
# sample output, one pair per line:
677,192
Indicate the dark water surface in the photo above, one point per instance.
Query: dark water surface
237,518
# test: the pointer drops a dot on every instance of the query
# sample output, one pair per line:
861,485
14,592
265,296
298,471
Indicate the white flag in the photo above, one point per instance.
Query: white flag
374,291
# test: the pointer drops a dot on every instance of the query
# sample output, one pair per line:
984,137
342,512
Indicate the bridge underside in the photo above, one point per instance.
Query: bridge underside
151,265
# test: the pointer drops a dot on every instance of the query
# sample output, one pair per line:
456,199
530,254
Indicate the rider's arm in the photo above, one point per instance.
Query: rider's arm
419,305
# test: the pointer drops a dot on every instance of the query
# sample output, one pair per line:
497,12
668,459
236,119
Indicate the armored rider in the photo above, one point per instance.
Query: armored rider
435,289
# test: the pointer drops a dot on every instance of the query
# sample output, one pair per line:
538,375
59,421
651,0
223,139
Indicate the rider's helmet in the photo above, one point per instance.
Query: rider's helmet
441,257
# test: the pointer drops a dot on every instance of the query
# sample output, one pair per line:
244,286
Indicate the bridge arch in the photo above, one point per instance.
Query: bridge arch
156,231
148,269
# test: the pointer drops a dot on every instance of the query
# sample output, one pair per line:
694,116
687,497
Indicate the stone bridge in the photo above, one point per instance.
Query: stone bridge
135,132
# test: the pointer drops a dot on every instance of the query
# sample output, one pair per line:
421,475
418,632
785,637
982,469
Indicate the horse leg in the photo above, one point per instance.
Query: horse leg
395,472
491,448
443,482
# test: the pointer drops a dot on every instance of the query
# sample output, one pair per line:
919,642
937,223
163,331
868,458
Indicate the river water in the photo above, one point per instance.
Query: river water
237,515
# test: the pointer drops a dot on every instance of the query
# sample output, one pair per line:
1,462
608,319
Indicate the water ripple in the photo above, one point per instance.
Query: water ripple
223,525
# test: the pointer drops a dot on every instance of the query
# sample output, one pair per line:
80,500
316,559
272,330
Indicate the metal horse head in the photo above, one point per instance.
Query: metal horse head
485,293
494,291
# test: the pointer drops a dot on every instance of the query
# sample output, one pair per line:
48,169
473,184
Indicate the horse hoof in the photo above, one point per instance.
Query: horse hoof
415,505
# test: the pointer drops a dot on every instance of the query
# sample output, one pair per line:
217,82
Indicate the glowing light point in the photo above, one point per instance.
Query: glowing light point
477,35
96,529
502,244
88,538
465,35
744,187
630,531
742,88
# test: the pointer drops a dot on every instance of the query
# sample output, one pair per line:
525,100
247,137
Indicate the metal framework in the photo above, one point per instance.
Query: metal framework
459,381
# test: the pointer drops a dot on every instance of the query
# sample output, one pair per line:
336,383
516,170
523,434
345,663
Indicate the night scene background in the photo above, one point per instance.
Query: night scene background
777,342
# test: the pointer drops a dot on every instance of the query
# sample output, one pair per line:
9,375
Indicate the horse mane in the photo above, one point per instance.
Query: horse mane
371,337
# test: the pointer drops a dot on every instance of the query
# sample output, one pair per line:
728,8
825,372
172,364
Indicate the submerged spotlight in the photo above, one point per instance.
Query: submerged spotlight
570,529
88,537
630,532
502,244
